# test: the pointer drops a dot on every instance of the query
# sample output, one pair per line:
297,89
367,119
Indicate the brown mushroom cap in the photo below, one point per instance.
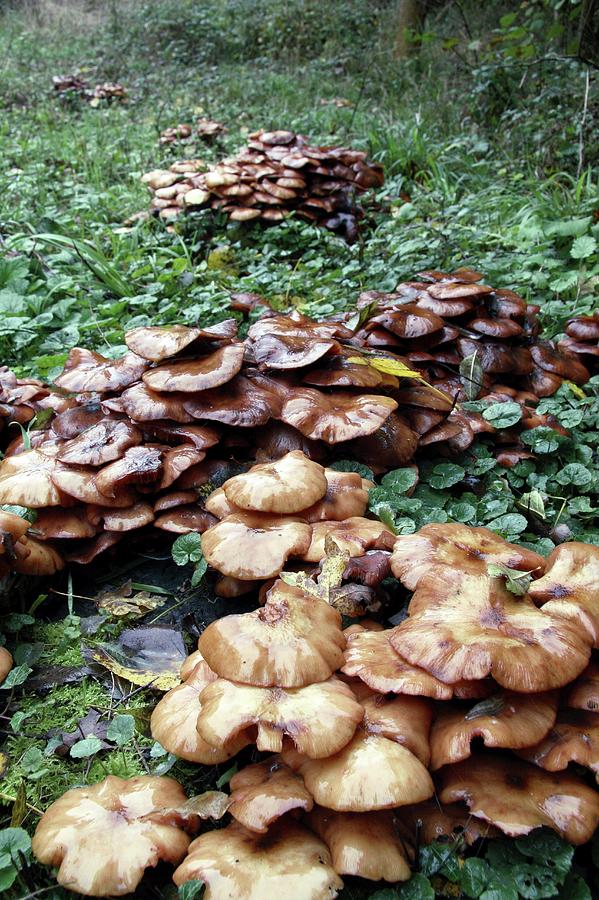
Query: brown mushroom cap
62,523
88,550
291,641
143,405
235,862
518,797
406,720
572,574
370,773
138,465
288,485
584,692
6,663
128,519
355,536
80,483
288,351
12,528
336,417
177,460
559,362
507,720
26,480
199,374
184,519
173,721
134,818
426,822
39,559
161,342
467,626
470,549
339,372
254,546
363,844
320,718
85,371
243,402
346,496
102,443
262,793
573,738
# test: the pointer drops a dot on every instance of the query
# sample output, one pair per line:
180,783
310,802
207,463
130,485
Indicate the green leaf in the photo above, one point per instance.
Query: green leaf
541,439
445,475
576,474
515,581
503,415
121,730
14,841
89,746
475,876
199,571
511,523
472,375
574,888
227,776
191,890
15,677
187,548
583,247
349,465
533,502
417,888
400,480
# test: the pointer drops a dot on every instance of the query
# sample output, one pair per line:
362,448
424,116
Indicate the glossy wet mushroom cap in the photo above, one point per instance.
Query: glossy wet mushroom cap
355,536
138,465
26,480
346,496
584,692
6,663
235,862
319,719
135,819
262,793
69,523
291,641
254,545
100,444
87,371
572,575
288,485
243,402
574,738
518,797
506,720
198,374
162,342
336,417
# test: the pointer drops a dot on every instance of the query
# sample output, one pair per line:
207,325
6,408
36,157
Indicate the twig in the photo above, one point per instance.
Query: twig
28,805
585,107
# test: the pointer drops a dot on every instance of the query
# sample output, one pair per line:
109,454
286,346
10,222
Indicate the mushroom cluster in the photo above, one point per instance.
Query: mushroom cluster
582,338
69,85
479,697
205,130
276,174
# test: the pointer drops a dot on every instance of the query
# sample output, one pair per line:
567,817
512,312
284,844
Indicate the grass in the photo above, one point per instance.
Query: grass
489,157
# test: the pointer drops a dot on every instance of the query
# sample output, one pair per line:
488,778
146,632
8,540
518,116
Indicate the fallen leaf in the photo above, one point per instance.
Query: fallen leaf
148,656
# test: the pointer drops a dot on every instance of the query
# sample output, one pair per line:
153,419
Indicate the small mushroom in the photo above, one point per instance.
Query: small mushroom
243,402
185,519
144,405
320,718
6,663
162,342
135,821
506,720
173,720
138,465
254,546
288,485
363,844
291,641
80,483
62,523
406,720
518,797
26,480
235,862
346,496
262,793
429,821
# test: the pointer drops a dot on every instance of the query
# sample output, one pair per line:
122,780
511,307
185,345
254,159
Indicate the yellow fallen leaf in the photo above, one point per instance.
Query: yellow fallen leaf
394,367
578,392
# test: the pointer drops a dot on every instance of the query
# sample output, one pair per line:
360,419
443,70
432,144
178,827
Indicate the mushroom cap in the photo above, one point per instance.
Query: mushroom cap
319,718
12,527
291,641
244,402
355,536
467,626
573,738
346,496
254,546
408,321
80,483
138,465
415,555
40,559
102,838
144,405
6,663
184,519
363,844
288,351
173,721
426,822
177,460
559,362
392,445
26,480
161,342
234,862
198,374
518,797
262,793
62,523
89,549
406,720
336,417
287,485
583,328
217,504
128,519
85,372
371,772
584,692
572,574
102,443
507,720
340,372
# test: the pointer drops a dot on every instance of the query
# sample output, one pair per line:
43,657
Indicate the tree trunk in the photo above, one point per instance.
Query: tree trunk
409,21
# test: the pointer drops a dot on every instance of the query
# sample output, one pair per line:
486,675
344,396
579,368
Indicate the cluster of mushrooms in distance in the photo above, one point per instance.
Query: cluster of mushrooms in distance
461,719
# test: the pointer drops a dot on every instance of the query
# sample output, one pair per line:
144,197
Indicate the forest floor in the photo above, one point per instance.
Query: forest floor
500,179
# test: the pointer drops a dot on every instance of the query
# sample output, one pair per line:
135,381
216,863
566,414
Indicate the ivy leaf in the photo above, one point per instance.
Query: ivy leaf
15,677
417,888
191,890
199,571
515,581
350,465
583,247
89,746
503,415
533,503
400,480
187,548
121,730
471,375
512,523
476,874
445,475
